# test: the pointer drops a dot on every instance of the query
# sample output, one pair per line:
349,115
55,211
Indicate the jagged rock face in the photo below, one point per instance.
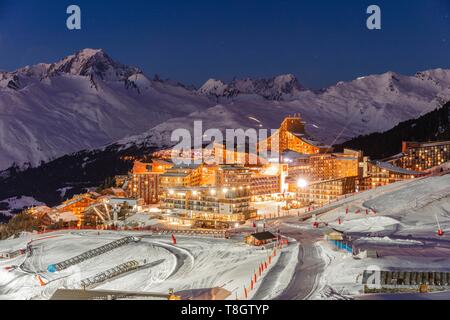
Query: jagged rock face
277,88
96,63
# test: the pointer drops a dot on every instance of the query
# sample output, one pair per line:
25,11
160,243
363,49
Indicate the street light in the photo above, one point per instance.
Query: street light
302,183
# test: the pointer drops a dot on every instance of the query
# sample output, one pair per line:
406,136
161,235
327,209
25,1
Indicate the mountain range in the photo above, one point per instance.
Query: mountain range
88,101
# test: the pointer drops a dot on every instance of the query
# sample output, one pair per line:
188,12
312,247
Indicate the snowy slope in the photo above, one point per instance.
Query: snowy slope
193,264
370,104
83,101
403,229
405,208
87,100
18,204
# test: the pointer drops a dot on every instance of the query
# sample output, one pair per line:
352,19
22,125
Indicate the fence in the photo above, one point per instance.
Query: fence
408,278
109,274
221,234
90,254
342,246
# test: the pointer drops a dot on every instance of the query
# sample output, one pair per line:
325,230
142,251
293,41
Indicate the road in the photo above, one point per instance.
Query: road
309,267
310,264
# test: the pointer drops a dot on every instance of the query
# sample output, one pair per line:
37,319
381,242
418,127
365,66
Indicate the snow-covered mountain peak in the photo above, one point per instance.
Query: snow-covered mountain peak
276,88
93,62
213,87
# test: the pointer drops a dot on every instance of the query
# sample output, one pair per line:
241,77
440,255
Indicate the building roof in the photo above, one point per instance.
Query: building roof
162,162
313,142
293,155
427,144
395,169
261,236
175,174
191,166
62,216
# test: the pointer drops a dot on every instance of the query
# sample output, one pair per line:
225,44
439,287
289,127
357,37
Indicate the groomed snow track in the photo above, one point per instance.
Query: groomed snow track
91,254
109,274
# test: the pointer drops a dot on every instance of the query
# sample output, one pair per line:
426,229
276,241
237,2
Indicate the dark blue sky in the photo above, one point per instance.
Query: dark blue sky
320,41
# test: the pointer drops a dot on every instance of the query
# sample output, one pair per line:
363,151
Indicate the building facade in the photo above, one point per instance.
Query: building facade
144,183
292,136
77,206
323,192
231,176
423,156
382,173
207,207
182,176
265,185
333,166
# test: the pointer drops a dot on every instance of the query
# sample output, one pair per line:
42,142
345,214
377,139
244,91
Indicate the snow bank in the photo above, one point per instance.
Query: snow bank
366,225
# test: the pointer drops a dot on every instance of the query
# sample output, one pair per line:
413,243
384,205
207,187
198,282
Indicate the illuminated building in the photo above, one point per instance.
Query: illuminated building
265,185
182,176
423,156
77,205
382,173
121,181
292,136
144,183
268,181
335,165
323,192
233,176
207,207
208,175
161,166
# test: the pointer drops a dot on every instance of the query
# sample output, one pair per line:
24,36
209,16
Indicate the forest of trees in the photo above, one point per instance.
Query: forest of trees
433,126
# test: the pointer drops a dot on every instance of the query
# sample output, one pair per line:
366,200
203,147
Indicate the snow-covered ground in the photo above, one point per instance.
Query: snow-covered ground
194,263
401,224
343,273
19,203
405,208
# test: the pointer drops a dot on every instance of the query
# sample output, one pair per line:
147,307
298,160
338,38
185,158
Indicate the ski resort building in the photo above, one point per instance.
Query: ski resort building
423,156
144,183
323,192
260,238
207,207
383,173
331,166
182,176
292,136
77,205
230,176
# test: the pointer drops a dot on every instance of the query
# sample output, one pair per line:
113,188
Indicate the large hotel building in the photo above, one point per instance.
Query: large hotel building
218,194
323,192
292,136
423,156
208,207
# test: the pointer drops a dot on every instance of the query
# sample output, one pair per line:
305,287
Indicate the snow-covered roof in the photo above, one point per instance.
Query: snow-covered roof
62,216
186,166
290,154
175,174
392,168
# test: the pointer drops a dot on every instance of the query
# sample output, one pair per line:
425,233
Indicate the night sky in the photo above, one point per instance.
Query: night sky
321,42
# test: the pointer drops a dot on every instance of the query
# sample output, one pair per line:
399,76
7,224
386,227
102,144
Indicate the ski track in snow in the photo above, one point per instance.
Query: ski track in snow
194,263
